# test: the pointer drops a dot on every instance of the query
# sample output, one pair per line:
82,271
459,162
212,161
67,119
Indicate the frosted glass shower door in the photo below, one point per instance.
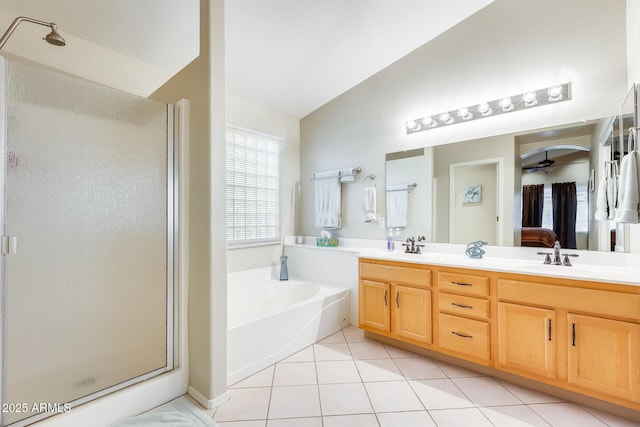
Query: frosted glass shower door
86,294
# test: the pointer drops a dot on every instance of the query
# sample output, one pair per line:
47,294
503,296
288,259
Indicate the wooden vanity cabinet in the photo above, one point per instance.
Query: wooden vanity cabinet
395,300
578,335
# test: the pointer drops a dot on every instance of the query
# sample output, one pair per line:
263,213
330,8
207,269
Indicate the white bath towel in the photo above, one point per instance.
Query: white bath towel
628,189
602,211
328,197
369,206
397,205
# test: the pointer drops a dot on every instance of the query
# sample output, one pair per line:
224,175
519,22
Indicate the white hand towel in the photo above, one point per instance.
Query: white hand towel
348,174
397,205
628,189
369,206
601,200
328,197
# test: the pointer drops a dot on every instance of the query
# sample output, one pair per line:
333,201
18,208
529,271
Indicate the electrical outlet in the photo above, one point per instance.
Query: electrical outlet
381,222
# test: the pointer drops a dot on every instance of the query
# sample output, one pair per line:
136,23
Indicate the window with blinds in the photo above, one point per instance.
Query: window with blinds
253,186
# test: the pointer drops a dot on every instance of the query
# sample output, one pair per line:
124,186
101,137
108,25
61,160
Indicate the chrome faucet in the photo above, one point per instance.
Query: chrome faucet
556,256
412,247
556,253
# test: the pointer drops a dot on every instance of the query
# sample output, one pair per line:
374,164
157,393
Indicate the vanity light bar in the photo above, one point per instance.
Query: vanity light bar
521,101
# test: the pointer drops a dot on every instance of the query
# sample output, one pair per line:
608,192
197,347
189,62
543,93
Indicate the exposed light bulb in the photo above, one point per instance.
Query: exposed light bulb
506,104
465,114
484,109
529,99
555,93
429,122
413,126
446,118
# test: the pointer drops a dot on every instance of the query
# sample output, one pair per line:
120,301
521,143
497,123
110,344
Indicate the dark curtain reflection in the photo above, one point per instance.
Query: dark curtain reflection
532,204
565,205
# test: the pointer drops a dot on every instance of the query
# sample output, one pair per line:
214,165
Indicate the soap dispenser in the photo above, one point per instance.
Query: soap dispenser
391,245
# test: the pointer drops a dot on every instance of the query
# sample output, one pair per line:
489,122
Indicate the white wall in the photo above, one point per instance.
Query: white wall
203,83
476,221
491,54
255,117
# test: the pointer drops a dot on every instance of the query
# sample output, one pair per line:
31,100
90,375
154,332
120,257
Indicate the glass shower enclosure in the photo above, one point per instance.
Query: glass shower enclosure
86,209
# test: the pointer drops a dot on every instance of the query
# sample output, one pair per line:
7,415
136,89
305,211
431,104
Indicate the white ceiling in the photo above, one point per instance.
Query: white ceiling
296,55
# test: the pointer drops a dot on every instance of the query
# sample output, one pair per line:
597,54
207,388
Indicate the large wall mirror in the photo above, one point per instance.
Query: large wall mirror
507,189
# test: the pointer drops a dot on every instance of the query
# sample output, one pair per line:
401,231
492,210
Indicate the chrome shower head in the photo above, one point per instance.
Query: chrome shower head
54,36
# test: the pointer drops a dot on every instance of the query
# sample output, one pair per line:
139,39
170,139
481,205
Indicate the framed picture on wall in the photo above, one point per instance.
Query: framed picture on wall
472,193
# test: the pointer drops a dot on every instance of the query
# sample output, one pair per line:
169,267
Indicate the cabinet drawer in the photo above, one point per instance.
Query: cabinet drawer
396,274
463,283
466,336
593,301
467,306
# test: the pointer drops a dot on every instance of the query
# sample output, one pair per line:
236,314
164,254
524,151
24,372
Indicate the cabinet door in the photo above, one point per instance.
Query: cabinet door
527,339
603,355
374,305
412,313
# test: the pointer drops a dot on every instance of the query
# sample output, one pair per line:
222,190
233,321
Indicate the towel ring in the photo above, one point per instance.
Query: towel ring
371,177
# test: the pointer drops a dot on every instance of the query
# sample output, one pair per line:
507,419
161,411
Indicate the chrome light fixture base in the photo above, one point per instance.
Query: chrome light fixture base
504,105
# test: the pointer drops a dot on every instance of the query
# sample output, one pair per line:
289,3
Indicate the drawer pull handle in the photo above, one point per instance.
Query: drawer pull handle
385,297
461,284
549,327
460,334
461,305
397,296
573,334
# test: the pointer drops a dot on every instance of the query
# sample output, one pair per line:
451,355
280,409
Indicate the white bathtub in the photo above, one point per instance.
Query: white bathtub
271,320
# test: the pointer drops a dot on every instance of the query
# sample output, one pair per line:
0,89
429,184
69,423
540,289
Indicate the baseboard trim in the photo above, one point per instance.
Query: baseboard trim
207,403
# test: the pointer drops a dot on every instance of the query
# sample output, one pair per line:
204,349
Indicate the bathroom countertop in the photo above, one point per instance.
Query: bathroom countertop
600,273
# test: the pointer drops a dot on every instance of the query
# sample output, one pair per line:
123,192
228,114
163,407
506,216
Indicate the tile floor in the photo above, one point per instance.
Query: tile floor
347,380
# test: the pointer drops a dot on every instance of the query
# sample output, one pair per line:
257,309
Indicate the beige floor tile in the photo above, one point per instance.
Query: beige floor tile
300,373
440,394
337,338
296,422
405,419
467,417
332,352
368,350
344,399
378,370
304,355
419,369
366,420
294,402
566,414
263,378
513,416
337,371
392,396
244,404
485,391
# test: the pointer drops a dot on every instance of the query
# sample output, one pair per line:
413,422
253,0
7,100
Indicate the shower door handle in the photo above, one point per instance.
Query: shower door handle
9,245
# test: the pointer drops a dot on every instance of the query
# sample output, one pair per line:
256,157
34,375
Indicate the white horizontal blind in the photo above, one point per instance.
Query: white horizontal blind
253,186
